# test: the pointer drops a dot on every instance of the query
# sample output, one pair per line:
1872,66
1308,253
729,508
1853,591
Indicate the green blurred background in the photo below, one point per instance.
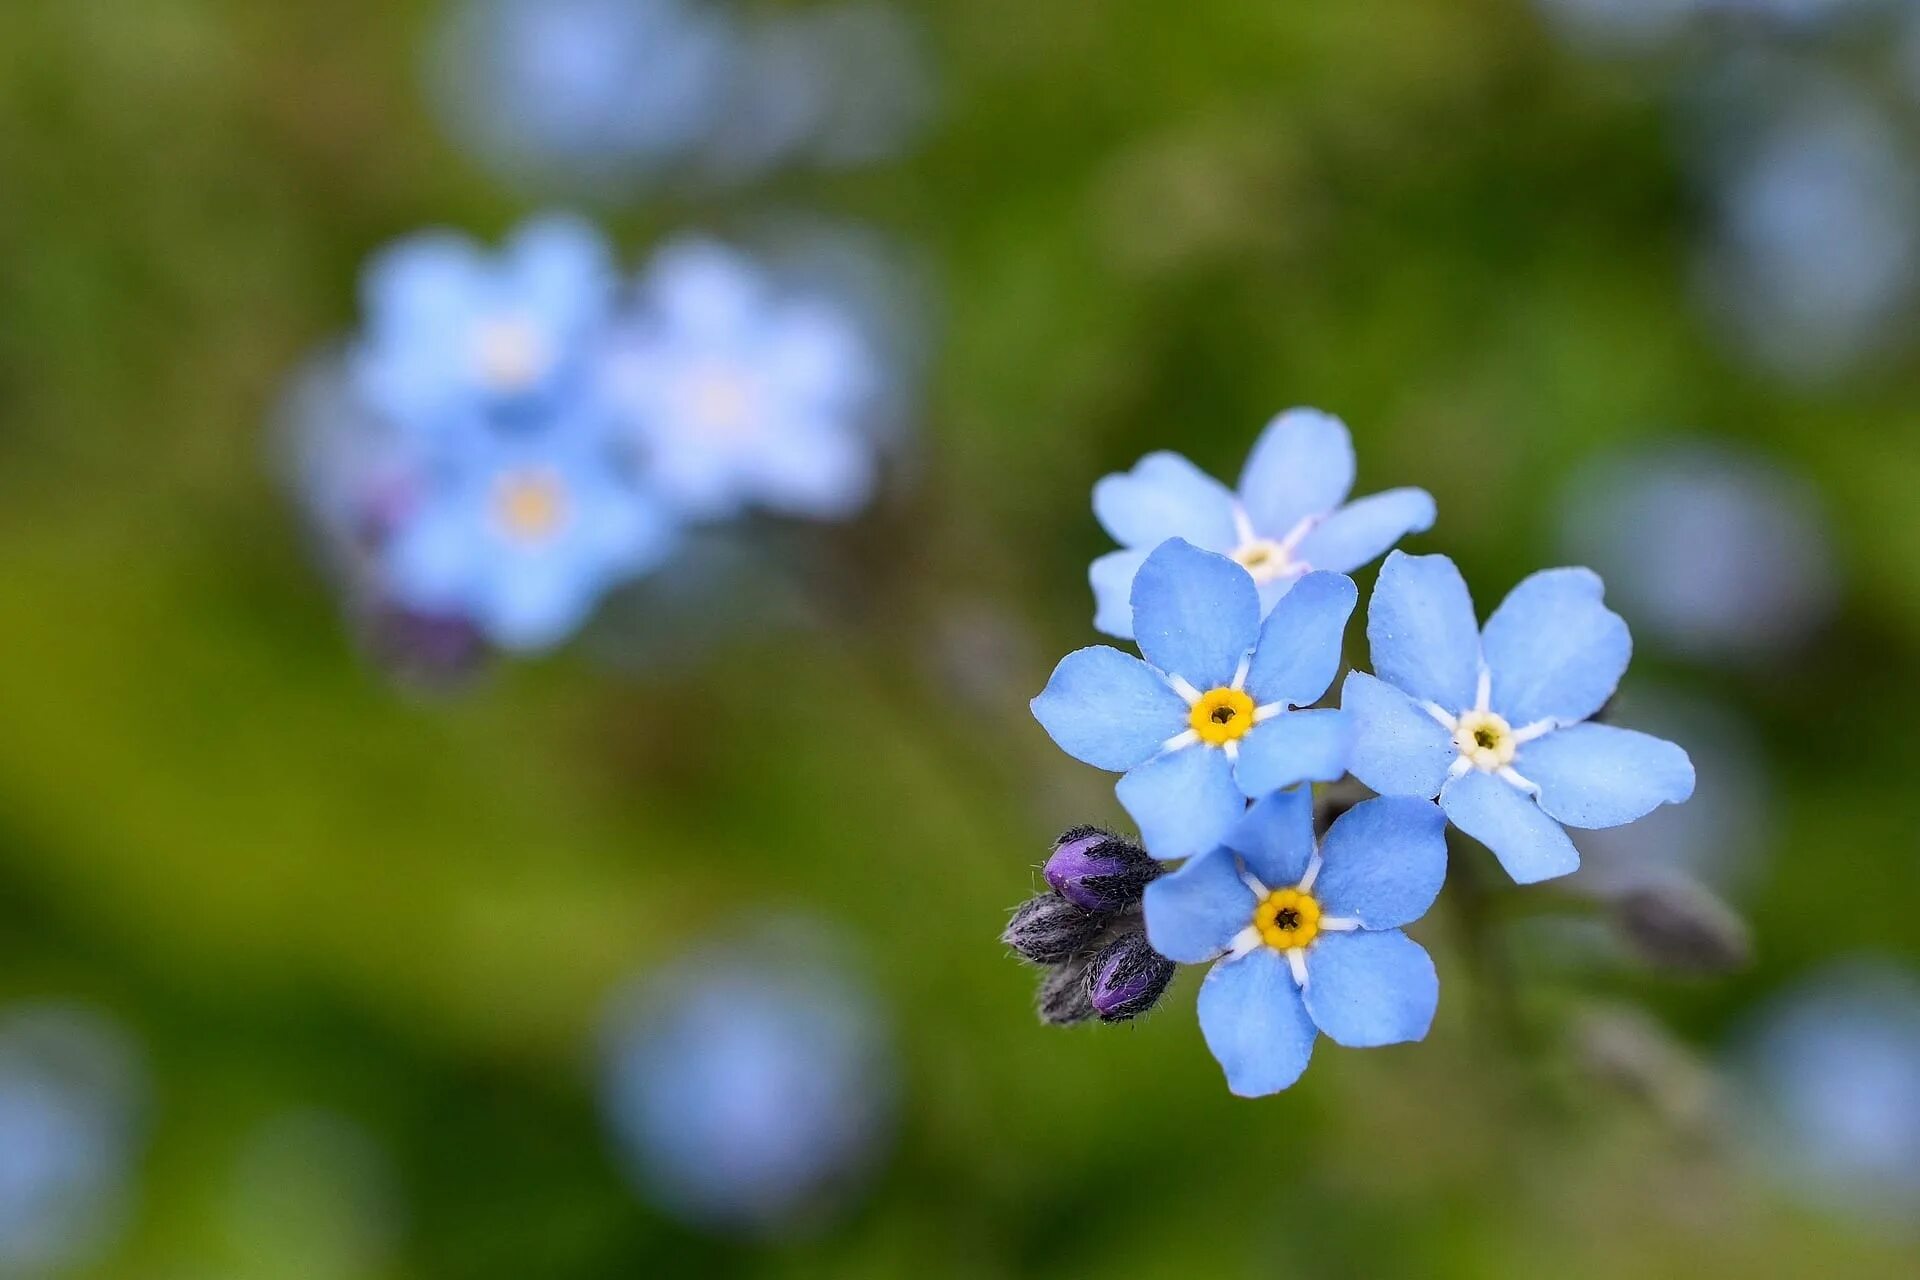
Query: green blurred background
1152,226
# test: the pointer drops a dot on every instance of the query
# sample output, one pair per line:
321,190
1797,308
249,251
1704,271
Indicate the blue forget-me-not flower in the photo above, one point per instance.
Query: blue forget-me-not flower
452,329
1495,722
1308,940
1206,722
523,536
740,395
1286,520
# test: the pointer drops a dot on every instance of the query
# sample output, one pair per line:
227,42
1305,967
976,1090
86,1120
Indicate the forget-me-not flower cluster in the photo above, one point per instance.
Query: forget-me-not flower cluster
1238,603
513,434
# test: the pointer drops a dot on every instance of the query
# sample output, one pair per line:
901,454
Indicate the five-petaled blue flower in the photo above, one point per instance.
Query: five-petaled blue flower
742,396
1492,721
1205,723
1309,941
1286,520
452,330
524,535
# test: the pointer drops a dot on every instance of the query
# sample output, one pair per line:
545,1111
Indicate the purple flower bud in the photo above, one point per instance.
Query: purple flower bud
1047,930
1127,978
1683,927
1063,999
1098,871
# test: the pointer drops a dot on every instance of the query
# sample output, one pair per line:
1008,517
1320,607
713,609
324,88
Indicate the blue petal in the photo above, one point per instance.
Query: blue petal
537,604
1112,578
1255,1023
1529,844
1595,775
1383,861
1184,802
1398,749
1294,746
1165,496
1108,708
1362,531
1299,649
1276,838
1421,631
1367,989
1554,650
1195,614
1193,914
1301,466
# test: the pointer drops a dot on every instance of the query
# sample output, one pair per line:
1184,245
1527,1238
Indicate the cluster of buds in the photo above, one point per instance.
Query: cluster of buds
1087,930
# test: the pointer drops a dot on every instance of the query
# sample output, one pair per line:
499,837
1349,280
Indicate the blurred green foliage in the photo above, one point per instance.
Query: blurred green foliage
1153,225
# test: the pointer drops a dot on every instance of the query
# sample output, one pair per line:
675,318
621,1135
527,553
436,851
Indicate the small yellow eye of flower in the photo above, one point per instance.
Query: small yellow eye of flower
720,402
1222,716
529,504
510,354
1287,918
1265,559
1485,739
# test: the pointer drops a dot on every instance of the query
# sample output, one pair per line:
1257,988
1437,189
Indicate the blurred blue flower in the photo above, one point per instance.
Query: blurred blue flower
524,534
1814,251
1715,550
750,1085
69,1093
1207,721
739,395
451,329
1309,940
594,95
1833,1076
1494,722
1286,520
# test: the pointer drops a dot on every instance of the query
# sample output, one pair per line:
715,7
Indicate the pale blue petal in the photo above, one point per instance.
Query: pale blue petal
1596,775
1112,578
1530,845
1295,746
1165,496
1398,749
1421,631
538,604
1108,708
1276,838
1367,989
1195,614
1362,531
1383,861
1184,802
1554,650
1299,649
1301,466
1255,1023
1193,914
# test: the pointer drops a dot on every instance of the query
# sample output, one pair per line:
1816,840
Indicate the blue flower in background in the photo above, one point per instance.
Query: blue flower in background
749,1086
1206,722
69,1092
523,535
1492,721
591,93
1286,520
740,396
451,329
1309,941
1832,1076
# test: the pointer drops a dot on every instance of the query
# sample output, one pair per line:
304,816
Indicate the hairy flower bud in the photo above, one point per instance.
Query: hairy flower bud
1063,998
1049,929
1683,927
1127,978
1099,871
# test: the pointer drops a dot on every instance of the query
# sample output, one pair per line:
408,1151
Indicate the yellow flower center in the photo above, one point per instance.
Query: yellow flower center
1222,716
1287,918
1485,739
1265,559
529,504
721,402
